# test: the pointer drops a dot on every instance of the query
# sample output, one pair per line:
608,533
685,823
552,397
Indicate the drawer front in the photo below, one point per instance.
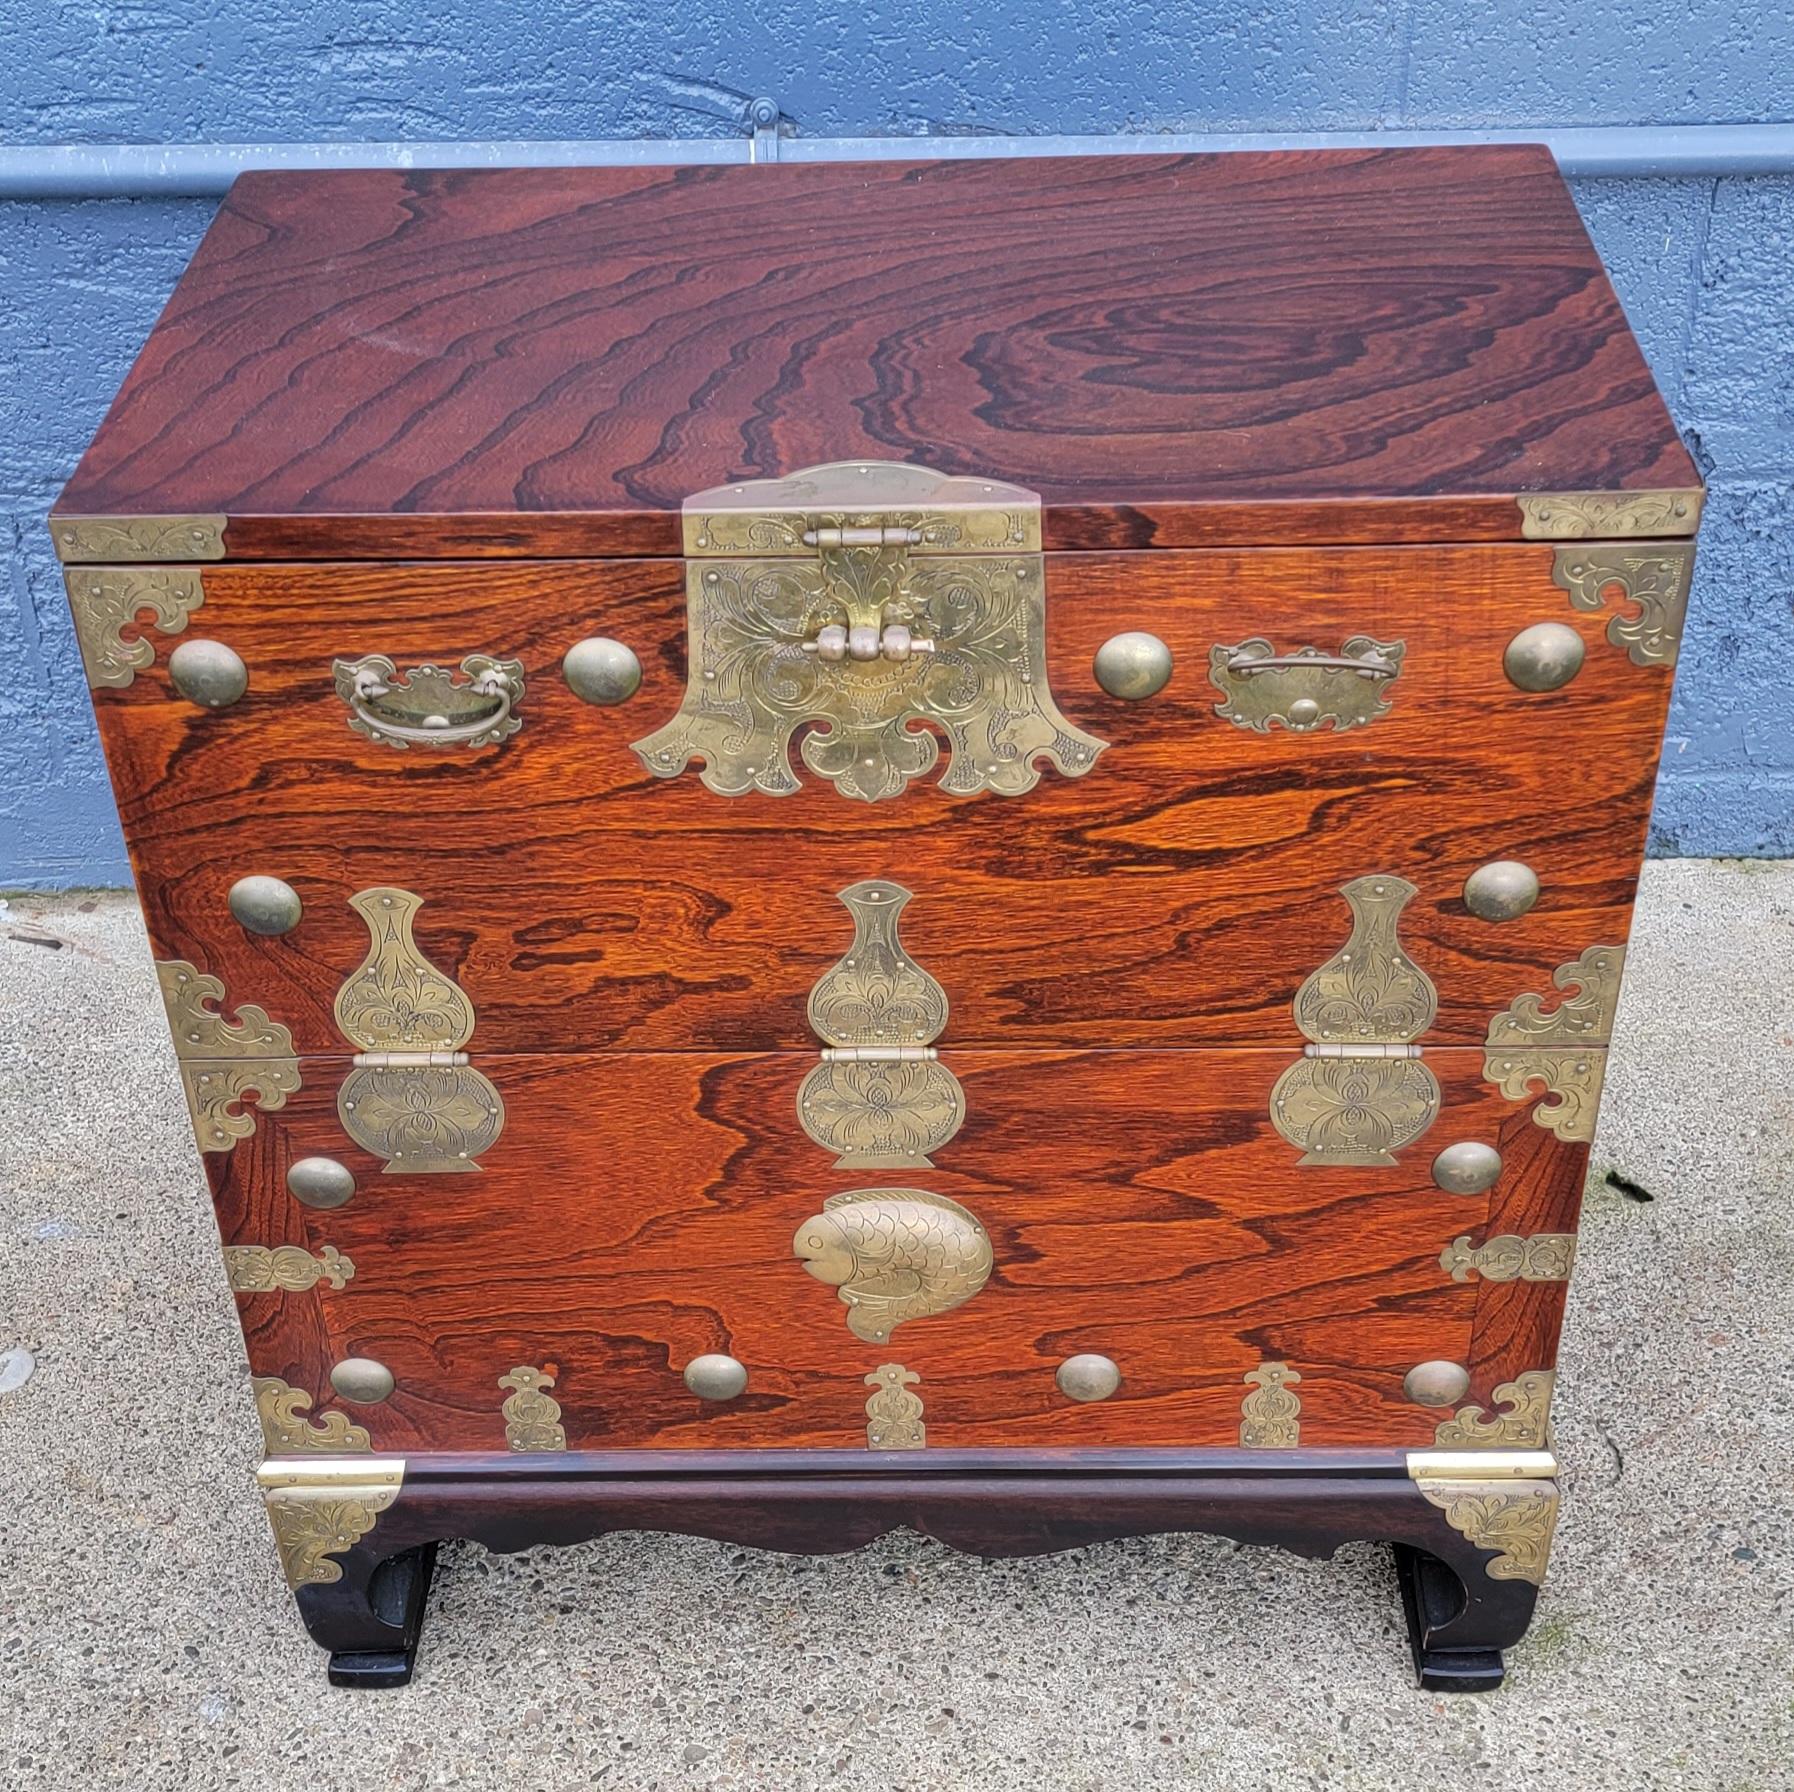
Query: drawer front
1176,893
642,1211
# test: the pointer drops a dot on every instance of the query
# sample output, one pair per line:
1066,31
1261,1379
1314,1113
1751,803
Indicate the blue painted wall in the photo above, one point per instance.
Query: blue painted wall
1706,268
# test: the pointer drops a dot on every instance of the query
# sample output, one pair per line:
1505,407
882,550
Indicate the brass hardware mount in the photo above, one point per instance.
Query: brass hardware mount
426,707
1262,689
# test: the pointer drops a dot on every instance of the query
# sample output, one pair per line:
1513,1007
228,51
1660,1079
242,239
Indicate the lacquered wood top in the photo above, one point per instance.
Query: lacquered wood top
1323,346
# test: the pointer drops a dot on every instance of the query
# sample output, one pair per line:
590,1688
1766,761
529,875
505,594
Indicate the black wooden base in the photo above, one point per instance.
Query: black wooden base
1460,1618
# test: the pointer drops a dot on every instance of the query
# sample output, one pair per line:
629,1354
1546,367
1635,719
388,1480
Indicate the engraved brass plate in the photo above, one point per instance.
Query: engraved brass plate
1563,1050
426,707
288,1432
1515,1519
1269,1414
866,599
88,538
1361,1093
284,1268
106,600
894,1414
412,1097
1541,1257
1524,1423
1586,516
320,1509
224,1063
531,1416
894,1254
1262,689
880,1097
1656,579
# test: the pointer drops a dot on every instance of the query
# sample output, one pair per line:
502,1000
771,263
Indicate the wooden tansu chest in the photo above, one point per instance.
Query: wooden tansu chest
940,844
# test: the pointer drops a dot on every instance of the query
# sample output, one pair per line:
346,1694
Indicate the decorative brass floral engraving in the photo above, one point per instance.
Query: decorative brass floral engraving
288,1432
412,1097
1360,1092
1542,1257
866,598
894,1414
105,600
880,1097
1524,1424
320,1509
1655,579
223,1063
1585,516
531,1417
894,1254
1262,689
1564,1050
1516,1519
426,707
288,1268
87,538
1269,1420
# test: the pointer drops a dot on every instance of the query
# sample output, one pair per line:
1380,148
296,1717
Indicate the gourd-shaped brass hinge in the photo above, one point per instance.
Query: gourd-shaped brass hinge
866,598
412,1097
1360,1093
880,1097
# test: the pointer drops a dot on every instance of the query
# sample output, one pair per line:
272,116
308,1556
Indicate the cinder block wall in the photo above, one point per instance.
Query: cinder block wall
1705,267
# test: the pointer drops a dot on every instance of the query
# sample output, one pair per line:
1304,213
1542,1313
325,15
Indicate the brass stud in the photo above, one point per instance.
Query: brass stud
602,671
1501,891
320,1182
716,1377
1544,657
1133,666
361,1379
208,673
1436,1383
1088,1377
265,905
1467,1168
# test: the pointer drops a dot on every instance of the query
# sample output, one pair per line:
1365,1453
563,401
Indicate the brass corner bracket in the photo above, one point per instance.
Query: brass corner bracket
1588,516
1563,1050
286,1431
80,539
1503,1500
1524,1422
223,1062
106,600
1655,578
320,1509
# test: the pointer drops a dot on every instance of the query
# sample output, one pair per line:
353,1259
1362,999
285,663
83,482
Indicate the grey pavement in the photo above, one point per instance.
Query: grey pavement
146,1640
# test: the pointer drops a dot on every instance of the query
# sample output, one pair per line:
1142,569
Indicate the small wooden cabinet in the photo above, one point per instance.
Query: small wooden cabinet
940,844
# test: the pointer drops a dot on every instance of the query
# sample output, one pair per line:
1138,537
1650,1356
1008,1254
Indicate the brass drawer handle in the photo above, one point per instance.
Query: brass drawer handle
1262,688
425,706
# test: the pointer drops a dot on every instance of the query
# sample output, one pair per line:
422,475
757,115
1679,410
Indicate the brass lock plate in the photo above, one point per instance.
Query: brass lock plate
865,598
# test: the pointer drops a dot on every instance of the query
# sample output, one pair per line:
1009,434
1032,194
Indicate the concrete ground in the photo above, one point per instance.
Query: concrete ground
146,1640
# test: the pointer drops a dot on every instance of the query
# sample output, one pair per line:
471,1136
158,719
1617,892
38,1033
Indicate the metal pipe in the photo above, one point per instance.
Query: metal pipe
169,170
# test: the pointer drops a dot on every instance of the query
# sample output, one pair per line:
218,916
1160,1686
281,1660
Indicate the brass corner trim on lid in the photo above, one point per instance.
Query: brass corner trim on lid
319,1509
287,1431
1656,578
80,539
1587,516
880,1097
223,1062
1564,1049
106,600
866,597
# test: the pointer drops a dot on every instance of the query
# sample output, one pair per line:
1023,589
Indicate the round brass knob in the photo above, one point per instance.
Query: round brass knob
1088,1377
208,673
1436,1384
1467,1168
320,1182
716,1377
361,1379
265,905
602,671
1543,657
1501,891
1133,666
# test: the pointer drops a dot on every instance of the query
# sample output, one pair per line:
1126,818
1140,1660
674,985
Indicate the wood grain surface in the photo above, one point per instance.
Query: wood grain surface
639,1211
1331,346
1177,894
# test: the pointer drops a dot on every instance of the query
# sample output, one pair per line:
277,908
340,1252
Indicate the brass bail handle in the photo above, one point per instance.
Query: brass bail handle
1371,666
427,707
